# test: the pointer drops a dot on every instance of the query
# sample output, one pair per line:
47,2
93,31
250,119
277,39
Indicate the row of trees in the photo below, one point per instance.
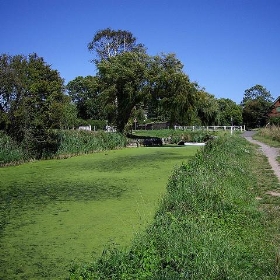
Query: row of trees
129,84
192,107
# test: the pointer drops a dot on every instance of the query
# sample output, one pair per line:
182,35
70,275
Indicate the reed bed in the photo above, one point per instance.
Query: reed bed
58,144
9,150
82,142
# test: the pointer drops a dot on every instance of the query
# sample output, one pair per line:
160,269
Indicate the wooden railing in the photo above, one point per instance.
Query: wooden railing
211,128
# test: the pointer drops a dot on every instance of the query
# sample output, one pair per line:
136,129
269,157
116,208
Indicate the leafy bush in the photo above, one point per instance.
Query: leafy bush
207,227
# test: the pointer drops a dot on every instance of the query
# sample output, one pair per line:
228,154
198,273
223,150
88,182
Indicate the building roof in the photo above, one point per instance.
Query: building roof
275,101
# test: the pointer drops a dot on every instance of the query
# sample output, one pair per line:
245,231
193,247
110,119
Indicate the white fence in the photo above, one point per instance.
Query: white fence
179,127
211,128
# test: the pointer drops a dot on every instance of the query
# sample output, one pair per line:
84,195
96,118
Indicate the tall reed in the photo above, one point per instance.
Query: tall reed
9,150
57,144
272,132
74,142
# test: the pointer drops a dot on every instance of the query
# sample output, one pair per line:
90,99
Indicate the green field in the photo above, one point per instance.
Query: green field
56,212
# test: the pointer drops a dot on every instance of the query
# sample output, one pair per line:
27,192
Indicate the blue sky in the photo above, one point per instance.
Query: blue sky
227,46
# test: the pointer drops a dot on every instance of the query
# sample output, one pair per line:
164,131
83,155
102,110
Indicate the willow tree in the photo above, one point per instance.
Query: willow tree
173,95
207,108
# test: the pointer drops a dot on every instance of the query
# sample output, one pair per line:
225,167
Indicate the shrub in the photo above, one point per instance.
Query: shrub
274,121
40,143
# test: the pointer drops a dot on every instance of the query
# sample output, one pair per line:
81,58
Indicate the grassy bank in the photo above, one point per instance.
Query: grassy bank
56,212
209,226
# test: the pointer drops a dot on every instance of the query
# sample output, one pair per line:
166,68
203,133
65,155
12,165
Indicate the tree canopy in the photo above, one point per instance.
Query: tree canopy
85,93
157,84
108,43
171,94
257,92
132,82
230,113
256,102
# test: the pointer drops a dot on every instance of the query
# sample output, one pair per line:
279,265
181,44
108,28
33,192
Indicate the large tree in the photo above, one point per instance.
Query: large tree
255,103
257,92
32,97
124,79
132,80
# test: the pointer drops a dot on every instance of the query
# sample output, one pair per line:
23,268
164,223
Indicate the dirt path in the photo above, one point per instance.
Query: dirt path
271,153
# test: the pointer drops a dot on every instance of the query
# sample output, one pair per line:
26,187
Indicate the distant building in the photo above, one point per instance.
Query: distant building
274,110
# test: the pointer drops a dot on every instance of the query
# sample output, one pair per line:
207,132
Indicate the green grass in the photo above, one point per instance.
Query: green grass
267,140
212,223
56,212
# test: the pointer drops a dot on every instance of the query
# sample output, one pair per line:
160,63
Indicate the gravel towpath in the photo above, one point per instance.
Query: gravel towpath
271,153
